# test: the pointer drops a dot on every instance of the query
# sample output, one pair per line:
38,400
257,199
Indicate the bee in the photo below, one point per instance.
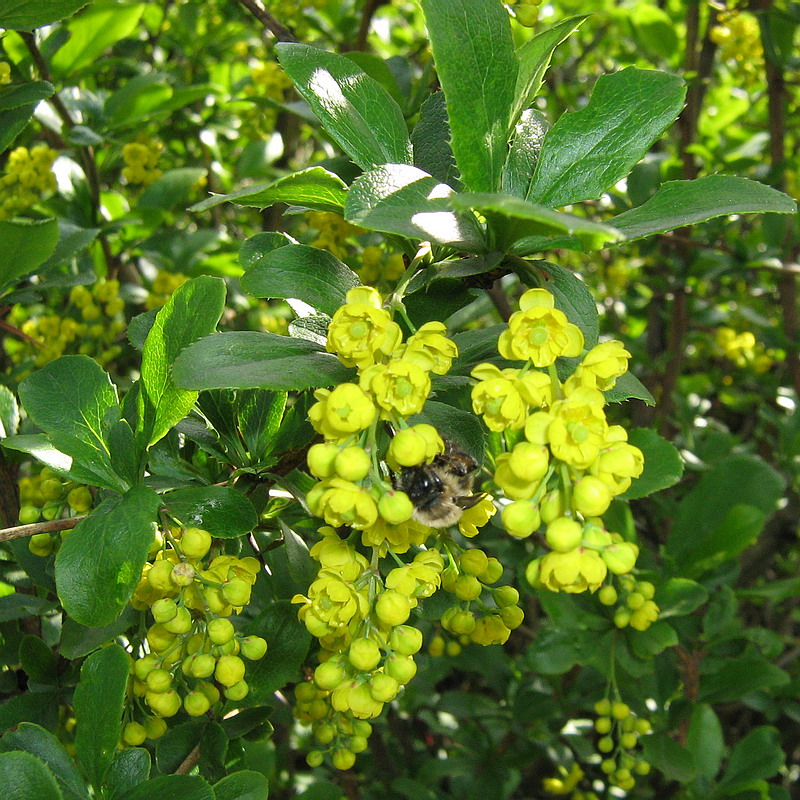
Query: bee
442,490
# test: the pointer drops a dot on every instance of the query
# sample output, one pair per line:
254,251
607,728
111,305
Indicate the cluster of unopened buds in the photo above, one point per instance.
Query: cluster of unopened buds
333,233
141,161
739,38
29,176
379,268
620,730
90,325
192,654
163,287
743,350
267,81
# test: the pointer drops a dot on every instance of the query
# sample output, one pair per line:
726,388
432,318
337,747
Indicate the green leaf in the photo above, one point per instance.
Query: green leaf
78,640
302,567
705,741
18,606
301,272
129,768
707,516
74,402
354,108
243,785
71,240
38,660
260,417
589,150
38,707
431,141
534,59
220,510
477,69
247,720
100,562
398,198
667,756
512,220
191,313
313,188
13,122
680,596
663,465
25,777
22,94
656,639
25,15
378,69
45,746
42,449
176,744
93,32
756,757
168,787
738,677
288,642
137,99
9,412
526,145
24,246
99,701
252,360
629,386
679,203
171,189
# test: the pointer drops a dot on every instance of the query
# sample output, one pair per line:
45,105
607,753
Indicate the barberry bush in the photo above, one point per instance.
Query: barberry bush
397,400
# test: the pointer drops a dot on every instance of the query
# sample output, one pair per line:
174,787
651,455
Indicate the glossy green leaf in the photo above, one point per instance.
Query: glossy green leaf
260,416
669,757
354,108
705,741
25,777
629,386
302,566
680,596
534,59
129,768
739,677
46,747
137,99
588,151
252,360
301,272
512,220
171,189
663,466
243,785
659,637
679,203
523,154
288,642
222,511
477,69
191,313
100,562
315,188
758,756
25,15
24,246
79,640
9,412
98,28
40,708
23,94
73,401
71,240
38,660
99,701
431,141
401,199
13,122
169,787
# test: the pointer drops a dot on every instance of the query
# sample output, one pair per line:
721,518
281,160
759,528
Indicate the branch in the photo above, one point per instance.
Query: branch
52,526
280,32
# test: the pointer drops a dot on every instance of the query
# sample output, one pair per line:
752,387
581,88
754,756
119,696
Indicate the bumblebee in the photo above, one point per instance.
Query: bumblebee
442,490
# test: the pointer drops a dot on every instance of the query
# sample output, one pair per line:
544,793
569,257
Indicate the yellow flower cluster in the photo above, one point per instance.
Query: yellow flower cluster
90,325
739,38
637,607
743,350
267,81
379,269
571,463
163,287
366,648
29,176
333,233
141,161
48,496
193,652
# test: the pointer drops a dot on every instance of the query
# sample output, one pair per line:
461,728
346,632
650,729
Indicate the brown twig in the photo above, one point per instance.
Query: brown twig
51,526
188,763
279,31
367,13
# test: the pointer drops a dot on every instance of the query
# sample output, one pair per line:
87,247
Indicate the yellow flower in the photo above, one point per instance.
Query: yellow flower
618,462
397,538
476,517
538,332
414,580
512,485
490,630
399,386
332,604
5,72
340,502
336,554
504,397
342,412
601,366
360,330
572,572
430,339
578,428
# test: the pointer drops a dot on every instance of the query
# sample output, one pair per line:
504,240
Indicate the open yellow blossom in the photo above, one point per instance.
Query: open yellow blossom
343,503
618,462
431,340
572,572
538,332
397,538
342,412
399,386
578,428
476,517
601,366
362,332
332,604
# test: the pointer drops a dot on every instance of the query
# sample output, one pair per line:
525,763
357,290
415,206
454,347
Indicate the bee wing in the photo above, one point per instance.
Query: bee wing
469,501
